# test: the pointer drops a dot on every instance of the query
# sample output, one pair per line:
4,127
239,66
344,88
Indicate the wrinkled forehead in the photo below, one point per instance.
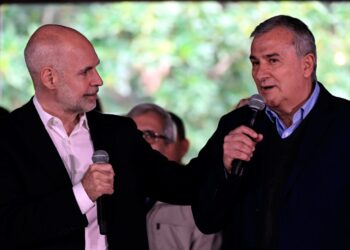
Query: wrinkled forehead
272,40
277,34
149,120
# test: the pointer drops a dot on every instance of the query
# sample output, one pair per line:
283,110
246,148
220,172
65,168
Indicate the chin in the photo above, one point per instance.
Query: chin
270,103
88,106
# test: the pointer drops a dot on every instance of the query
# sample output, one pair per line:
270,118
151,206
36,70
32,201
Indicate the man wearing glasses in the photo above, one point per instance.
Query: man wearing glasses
168,226
156,125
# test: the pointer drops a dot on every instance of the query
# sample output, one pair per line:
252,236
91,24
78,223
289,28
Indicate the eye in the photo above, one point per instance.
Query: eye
254,62
149,134
86,71
273,60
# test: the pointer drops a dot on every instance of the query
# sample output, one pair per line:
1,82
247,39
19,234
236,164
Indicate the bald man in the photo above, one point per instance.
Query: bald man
48,183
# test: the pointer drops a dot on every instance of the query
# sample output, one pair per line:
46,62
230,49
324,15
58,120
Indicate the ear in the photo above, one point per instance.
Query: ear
309,62
48,77
185,145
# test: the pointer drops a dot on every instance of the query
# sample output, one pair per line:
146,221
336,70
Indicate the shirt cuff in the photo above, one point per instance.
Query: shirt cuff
83,200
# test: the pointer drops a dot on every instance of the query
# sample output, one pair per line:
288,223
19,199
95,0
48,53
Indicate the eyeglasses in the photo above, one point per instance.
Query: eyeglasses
152,137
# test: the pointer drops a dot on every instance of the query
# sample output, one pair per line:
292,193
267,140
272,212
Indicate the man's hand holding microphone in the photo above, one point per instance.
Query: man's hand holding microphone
239,144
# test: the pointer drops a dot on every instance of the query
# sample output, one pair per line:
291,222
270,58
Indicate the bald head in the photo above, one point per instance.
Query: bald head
62,64
48,45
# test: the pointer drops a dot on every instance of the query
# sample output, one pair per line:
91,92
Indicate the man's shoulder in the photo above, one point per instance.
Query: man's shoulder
104,117
335,102
334,109
105,121
237,115
339,105
19,116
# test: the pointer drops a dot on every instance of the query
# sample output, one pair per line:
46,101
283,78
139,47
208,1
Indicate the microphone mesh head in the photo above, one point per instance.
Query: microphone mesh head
256,102
100,156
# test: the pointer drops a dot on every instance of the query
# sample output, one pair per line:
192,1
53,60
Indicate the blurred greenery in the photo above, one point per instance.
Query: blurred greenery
189,57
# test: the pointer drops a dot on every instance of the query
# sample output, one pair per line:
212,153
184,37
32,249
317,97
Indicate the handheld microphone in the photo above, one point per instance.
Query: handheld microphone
101,156
256,103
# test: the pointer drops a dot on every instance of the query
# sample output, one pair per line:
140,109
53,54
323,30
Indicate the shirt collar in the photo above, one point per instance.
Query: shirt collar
50,120
300,114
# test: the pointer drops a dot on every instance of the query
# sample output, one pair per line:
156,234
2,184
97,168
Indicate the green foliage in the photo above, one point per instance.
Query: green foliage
189,57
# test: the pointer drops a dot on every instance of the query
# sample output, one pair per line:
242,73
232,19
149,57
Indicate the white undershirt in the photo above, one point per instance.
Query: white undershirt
76,151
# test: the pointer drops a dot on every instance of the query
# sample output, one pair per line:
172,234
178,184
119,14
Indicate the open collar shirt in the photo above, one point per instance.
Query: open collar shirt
298,117
76,151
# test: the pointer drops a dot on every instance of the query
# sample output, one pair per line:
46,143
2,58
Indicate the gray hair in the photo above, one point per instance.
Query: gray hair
169,126
304,40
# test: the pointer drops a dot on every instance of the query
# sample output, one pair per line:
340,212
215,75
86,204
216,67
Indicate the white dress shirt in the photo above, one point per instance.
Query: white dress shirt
76,151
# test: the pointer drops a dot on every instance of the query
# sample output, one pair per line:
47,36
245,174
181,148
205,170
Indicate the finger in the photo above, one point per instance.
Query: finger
244,146
103,178
260,138
239,142
239,146
98,175
238,154
244,130
103,186
105,167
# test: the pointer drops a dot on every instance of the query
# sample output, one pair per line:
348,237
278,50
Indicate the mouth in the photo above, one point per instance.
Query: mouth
266,88
93,94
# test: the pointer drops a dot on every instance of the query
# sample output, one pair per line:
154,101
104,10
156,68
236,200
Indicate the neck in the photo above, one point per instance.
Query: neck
286,115
70,122
286,118
69,119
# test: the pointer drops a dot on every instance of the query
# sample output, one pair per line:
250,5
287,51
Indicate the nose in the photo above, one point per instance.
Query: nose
260,72
150,141
97,80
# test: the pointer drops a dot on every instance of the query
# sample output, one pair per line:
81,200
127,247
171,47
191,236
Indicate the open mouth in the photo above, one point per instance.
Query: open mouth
266,87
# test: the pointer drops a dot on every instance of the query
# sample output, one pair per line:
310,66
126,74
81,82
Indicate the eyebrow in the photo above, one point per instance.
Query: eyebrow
268,56
86,69
272,55
252,58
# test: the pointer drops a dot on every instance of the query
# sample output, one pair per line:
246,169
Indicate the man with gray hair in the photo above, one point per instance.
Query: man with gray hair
156,125
169,226
294,192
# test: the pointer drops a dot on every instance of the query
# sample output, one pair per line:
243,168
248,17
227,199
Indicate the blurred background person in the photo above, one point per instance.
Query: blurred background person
241,103
157,128
156,125
169,226
178,149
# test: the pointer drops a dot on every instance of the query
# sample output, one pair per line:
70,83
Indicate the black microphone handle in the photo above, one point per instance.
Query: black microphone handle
252,120
237,165
101,156
101,215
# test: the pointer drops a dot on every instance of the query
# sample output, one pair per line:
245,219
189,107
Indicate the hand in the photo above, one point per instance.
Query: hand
242,102
98,180
239,144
